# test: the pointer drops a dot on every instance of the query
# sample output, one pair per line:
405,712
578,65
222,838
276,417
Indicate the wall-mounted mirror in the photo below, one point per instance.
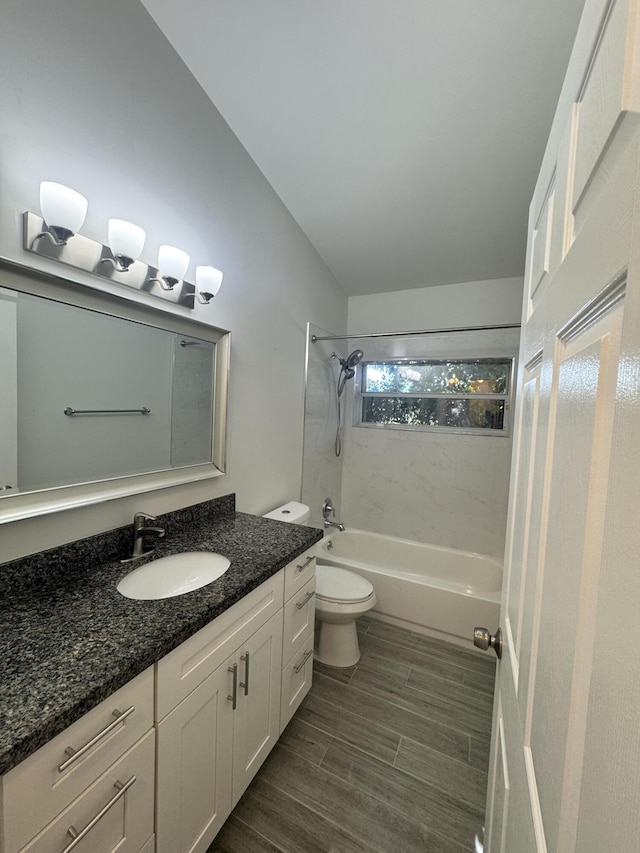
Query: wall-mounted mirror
102,397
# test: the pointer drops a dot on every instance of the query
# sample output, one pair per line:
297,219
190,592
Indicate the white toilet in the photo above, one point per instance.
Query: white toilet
341,597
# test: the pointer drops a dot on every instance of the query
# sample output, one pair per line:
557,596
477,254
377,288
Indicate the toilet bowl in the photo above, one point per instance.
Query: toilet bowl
341,597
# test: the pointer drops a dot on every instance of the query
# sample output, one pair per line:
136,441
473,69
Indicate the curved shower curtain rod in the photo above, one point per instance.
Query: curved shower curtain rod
316,338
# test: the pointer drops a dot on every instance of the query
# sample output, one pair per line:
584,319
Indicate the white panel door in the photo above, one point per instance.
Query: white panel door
565,770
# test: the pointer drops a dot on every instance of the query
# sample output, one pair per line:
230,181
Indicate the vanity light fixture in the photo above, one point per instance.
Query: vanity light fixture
209,278
172,266
125,241
63,213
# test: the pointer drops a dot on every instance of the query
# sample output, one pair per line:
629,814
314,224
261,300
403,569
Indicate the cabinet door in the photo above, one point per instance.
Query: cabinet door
194,767
256,724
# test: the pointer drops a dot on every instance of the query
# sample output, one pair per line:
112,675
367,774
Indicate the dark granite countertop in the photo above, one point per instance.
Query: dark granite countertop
68,639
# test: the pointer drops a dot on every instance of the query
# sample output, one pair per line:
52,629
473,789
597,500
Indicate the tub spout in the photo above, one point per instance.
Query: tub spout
337,524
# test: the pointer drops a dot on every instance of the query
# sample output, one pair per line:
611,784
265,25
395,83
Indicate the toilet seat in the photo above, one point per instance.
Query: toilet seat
340,585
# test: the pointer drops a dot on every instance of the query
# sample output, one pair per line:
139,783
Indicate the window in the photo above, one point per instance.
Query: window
470,395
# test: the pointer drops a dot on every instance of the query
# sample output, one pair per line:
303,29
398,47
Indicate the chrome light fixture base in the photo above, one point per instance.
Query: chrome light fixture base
119,262
58,236
92,257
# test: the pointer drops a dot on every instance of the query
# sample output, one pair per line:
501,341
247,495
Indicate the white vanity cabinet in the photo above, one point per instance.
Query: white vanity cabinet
297,643
212,742
95,780
219,702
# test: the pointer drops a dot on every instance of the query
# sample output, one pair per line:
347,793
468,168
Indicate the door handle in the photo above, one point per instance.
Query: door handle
484,640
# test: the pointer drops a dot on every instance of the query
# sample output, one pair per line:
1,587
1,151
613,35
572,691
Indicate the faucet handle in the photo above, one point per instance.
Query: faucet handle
328,509
140,517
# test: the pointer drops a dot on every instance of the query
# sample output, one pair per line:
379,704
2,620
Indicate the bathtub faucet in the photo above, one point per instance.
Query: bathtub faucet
329,510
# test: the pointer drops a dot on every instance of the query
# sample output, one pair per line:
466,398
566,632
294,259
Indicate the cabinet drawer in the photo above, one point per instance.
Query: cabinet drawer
299,571
116,811
37,790
183,669
296,681
299,615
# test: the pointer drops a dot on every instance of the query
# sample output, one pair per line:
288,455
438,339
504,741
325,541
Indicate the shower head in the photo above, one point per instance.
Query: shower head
347,367
354,358
350,361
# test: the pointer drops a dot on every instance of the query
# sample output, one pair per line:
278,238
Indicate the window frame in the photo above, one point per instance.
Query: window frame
360,396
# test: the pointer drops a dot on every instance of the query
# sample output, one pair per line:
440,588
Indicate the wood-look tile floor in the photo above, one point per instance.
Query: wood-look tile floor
388,756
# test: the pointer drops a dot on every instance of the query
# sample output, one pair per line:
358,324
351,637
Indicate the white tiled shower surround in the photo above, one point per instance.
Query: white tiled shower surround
440,488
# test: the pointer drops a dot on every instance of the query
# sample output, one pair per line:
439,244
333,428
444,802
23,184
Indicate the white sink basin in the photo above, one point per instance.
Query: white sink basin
173,575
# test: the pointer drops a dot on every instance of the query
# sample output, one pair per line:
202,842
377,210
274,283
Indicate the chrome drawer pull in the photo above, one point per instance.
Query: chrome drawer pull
233,698
75,754
307,598
245,683
306,657
305,564
78,836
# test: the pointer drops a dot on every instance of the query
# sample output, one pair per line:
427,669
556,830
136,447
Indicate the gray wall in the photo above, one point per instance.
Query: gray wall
93,96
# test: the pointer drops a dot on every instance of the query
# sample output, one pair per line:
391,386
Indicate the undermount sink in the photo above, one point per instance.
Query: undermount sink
173,575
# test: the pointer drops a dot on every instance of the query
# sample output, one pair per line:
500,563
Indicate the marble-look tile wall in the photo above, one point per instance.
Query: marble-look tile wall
191,401
438,488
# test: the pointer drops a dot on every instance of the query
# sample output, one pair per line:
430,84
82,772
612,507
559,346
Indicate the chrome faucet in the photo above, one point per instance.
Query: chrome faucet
327,510
140,530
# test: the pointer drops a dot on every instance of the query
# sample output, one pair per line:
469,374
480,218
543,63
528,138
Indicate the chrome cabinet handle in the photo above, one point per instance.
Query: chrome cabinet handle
306,657
305,564
307,598
245,683
75,754
234,696
78,836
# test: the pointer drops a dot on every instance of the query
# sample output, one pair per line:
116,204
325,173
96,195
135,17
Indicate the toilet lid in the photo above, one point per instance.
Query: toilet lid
334,584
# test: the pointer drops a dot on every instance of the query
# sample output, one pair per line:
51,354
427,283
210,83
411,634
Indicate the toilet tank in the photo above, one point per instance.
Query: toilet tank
292,512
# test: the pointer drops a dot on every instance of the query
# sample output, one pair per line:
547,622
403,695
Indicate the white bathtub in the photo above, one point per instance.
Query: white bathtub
425,588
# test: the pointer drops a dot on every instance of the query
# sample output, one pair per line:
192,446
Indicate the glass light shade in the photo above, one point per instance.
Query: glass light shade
62,207
125,238
172,262
208,279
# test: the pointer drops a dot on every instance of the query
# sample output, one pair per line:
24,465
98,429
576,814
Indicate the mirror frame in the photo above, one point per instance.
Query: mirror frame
24,279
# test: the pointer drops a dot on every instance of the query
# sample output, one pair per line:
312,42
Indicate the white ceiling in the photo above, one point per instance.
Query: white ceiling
404,136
